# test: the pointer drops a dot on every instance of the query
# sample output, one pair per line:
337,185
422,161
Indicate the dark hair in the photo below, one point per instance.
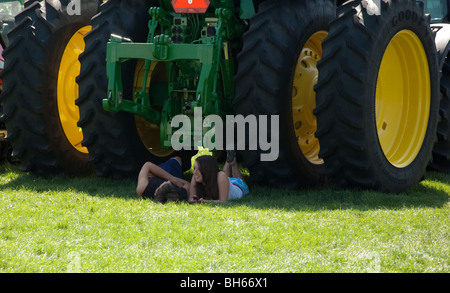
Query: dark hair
208,168
170,192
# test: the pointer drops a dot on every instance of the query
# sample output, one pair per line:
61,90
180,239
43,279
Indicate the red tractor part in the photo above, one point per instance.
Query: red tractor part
190,6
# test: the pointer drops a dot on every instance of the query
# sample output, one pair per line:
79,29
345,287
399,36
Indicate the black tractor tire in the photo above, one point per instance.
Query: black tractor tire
30,79
355,111
6,153
441,152
273,47
112,138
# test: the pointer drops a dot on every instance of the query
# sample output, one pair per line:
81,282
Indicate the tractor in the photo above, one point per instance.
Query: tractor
8,9
100,86
440,25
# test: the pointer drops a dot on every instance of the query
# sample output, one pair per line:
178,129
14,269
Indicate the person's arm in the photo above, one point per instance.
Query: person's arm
224,186
142,179
179,182
151,169
157,171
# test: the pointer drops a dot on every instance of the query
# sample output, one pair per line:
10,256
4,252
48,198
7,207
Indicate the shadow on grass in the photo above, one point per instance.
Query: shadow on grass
432,193
91,185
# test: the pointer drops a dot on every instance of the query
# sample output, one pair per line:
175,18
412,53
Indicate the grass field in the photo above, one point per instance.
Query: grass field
91,224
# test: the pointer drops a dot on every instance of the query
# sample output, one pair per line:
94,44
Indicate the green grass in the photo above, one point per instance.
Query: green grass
91,224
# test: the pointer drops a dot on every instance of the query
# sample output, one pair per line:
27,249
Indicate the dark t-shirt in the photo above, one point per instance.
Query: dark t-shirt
171,166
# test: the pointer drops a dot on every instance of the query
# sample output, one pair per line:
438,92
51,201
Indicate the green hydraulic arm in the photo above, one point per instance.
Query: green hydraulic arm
198,50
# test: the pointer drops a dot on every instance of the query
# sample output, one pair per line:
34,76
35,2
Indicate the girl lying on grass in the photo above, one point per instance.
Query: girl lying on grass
210,184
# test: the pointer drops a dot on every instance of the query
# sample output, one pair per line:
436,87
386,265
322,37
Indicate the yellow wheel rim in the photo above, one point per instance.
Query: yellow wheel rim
304,97
402,102
67,89
149,132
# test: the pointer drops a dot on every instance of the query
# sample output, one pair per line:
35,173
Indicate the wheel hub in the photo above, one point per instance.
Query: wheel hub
67,89
304,98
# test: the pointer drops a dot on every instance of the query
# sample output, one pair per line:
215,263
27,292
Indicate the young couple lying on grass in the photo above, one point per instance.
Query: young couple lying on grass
164,182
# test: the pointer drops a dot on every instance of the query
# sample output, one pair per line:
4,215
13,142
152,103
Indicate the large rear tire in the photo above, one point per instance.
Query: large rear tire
441,152
276,75
378,96
39,87
118,142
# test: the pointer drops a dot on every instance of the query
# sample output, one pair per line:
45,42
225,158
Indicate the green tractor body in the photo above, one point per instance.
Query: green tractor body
199,54
129,81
